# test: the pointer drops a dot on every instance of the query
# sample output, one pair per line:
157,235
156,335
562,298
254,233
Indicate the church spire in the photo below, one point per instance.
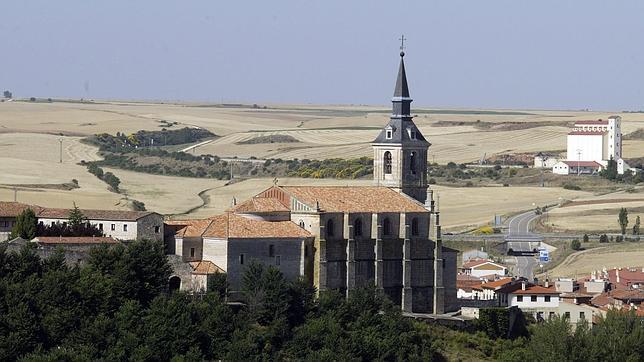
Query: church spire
402,90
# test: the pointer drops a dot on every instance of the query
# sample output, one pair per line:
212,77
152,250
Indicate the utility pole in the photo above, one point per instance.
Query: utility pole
60,140
15,194
231,169
578,162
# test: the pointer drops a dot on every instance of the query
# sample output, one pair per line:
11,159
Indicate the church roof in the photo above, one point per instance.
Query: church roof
354,198
258,205
230,225
234,226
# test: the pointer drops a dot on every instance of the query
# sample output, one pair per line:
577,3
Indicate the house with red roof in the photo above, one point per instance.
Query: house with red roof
484,268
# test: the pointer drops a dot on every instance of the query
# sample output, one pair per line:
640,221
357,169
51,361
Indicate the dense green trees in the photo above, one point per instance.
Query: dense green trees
116,307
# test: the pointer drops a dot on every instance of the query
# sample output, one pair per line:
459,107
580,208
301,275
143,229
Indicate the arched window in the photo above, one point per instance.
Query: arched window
357,228
413,160
414,226
387,162
386,227
329,227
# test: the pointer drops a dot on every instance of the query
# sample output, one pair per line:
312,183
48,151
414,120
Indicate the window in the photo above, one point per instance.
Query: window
414,227
157,229
412,162
329,227
551,315
519,298
53,223
387,162
567,315
192,252
113,227
357,228
389,134
271,250
533,298
124,227
302,224
386,226
546,298
241,259
278,260
100,226
582,315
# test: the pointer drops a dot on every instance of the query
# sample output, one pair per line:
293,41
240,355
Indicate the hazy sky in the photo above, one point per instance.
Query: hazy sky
509,54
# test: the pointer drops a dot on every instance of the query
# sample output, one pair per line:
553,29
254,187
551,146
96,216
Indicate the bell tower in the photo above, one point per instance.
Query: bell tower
400,150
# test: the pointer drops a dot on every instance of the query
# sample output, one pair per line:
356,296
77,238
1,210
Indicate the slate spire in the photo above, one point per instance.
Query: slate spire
402,90
401,100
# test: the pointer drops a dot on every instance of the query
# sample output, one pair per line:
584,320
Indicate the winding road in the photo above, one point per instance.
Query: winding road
522,241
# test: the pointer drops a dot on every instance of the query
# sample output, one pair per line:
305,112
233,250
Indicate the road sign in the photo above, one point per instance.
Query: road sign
544,255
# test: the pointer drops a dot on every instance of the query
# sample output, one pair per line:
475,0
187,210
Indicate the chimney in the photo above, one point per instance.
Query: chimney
547,284
523,285
617,274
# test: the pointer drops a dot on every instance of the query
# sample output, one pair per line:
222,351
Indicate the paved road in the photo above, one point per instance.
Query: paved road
521,239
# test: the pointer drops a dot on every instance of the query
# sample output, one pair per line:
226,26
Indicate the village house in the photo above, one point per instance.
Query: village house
119,224
484,268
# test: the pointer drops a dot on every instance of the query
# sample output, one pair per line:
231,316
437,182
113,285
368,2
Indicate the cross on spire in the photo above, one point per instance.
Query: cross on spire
402,44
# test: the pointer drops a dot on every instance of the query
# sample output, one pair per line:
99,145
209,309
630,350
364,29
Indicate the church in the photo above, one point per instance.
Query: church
341,237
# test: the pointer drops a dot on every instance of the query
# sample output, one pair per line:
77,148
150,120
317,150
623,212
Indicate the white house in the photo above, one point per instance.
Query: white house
118,224
484,268
590,143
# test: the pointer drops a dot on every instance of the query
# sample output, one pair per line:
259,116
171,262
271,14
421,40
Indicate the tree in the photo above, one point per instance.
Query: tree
25,225
611,170
7,94
586,239
575,244
76,217
603,238
636,227
623,220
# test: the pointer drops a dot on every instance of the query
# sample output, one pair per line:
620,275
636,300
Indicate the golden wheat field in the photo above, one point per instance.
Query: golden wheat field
30,135
583,263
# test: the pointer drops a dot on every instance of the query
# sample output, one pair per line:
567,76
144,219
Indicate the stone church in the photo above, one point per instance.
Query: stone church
344,237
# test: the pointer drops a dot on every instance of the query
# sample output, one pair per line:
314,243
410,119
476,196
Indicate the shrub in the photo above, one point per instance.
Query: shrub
586,238
603,238
575,244
431,181
484,230
571,187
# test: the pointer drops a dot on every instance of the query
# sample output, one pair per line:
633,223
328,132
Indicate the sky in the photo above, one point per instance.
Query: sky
520,54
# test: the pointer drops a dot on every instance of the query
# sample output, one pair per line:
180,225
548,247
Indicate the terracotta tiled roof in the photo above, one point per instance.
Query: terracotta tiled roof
13,209
260,205
194,228
586,133
205,267
583,164
598,122
354,198
628,295
535,289
235,226
74,240
626,277
117,215
497,283
472,263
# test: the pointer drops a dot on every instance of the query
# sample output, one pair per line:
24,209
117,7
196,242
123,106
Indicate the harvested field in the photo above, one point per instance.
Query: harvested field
164,194
580,264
